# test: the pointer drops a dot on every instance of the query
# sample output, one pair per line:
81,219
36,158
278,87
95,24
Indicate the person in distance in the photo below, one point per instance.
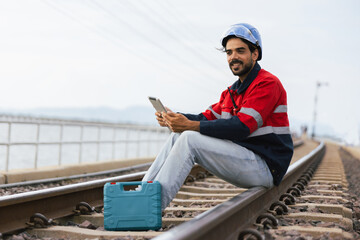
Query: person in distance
244,138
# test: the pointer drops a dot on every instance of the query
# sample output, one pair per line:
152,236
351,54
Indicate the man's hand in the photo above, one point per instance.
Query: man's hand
160,119
179,123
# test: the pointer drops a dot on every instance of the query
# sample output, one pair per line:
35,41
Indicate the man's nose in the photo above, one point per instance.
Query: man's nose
233,56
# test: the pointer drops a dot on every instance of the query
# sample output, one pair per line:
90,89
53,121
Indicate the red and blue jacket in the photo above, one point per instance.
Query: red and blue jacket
253,114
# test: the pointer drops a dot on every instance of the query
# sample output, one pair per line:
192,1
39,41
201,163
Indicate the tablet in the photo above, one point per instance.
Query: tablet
159,107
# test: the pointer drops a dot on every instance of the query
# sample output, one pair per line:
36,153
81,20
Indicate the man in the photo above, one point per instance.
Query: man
243,139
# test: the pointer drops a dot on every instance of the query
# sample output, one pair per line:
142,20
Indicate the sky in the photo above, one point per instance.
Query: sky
115,53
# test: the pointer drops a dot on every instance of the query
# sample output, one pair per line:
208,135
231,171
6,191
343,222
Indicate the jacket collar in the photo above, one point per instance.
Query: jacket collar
242,86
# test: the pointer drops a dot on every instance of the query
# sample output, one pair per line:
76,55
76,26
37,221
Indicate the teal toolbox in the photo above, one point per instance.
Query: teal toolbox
132,209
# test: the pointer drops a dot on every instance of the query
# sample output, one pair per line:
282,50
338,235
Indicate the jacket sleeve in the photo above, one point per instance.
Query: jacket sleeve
256,107
232,129
194,117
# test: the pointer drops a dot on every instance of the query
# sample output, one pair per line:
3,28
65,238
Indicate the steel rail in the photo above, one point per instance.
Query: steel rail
228,219
58,179
298,143
16,210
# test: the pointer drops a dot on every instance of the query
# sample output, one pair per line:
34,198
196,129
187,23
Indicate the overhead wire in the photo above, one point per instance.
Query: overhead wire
100,33
176,57
110,36
172,10
168,30
192,33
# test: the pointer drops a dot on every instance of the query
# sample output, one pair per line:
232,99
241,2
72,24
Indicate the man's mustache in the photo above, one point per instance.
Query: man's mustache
236,61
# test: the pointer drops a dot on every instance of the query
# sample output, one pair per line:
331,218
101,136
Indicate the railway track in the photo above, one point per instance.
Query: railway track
19,187
31,185
205,207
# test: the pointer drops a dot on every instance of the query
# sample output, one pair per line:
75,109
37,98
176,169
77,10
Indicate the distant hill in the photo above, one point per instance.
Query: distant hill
135,115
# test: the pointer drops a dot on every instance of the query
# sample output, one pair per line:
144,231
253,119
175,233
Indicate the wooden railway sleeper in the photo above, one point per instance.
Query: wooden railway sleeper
38,220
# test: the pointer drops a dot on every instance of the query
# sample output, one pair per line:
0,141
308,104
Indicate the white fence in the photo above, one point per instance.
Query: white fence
27,142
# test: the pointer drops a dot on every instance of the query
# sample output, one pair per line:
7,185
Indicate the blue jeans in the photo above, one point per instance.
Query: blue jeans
223,158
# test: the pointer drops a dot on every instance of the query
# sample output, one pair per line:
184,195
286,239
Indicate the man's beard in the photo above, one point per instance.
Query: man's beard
246,67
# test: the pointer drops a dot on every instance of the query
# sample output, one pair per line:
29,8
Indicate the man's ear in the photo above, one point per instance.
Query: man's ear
255,54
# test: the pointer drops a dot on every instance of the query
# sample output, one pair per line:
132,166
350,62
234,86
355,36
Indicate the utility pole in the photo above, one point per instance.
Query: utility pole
318,85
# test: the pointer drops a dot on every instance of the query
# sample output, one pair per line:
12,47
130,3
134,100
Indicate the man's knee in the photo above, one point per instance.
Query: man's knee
190,137
173,137
190,134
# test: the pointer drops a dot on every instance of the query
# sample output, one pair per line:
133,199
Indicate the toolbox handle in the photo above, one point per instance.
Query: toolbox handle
131,183
122,184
